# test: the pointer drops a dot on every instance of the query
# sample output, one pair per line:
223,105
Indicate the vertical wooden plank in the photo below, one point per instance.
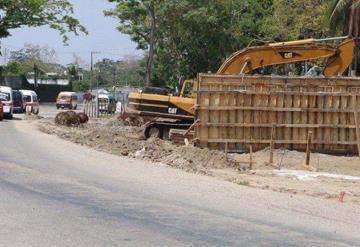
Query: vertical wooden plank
214,116
304,103
265,116
296,118
355,105
240,120
335,120
288,120
343,119
272,114
232,119
223,116
280,118
327,120
248,116
319,120
312,115
351,135
257,119
204,100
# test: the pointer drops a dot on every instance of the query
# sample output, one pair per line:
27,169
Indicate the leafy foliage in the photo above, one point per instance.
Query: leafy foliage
345,16
133,20
191,36
33,13
139,18
129,71
294,19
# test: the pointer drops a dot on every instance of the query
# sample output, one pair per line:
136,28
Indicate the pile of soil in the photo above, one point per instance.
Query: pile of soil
113,137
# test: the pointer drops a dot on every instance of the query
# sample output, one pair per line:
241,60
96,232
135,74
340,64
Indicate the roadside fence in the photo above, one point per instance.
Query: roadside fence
99,109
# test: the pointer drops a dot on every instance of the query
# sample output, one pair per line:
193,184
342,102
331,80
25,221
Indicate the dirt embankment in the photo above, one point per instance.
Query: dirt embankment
112,137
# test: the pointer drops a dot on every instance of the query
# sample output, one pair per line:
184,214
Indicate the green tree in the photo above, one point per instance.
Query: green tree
12,68
138,18
57,14
345,17
129,71
190,36
81,86
294,19
197,36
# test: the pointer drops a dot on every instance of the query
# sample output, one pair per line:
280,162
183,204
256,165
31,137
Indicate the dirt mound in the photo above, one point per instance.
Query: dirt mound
71,118
128,141
83,117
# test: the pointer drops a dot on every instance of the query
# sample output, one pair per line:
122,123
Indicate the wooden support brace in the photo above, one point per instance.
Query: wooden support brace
271,158
192,126
356,116
308,152
272,144
251,158
226,150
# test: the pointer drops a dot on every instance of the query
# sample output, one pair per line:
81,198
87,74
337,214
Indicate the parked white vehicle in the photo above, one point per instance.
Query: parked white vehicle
31,101
7,100
107,103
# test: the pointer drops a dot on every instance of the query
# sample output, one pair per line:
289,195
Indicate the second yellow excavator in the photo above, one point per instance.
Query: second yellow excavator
178,111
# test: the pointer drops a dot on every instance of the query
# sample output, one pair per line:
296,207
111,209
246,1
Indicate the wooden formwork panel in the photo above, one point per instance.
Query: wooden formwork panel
239,111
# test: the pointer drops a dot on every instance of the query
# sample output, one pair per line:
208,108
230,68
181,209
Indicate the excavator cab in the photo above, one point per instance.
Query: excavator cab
188,89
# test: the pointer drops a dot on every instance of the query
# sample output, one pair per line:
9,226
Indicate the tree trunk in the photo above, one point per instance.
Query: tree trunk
351,21
150,60
353,31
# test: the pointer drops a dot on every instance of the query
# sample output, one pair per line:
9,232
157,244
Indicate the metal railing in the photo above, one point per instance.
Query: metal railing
99,109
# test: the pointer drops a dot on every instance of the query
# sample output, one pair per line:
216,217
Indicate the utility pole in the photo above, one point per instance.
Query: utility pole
114,81
35,75
92,81
5,55
92,68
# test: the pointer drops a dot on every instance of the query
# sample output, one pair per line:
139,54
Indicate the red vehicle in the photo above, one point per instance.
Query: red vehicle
1,111
66,99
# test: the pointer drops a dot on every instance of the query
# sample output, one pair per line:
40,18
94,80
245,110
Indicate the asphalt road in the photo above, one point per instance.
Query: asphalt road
48,110
55,193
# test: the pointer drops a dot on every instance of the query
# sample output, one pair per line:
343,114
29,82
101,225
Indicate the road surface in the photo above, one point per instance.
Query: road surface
48,110
55,193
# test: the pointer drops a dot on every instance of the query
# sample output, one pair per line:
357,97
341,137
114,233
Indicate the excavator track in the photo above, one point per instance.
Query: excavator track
161,129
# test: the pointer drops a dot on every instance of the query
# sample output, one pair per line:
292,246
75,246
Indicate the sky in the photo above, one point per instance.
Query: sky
103,36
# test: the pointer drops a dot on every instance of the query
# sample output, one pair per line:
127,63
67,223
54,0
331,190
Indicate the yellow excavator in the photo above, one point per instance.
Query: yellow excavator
169,110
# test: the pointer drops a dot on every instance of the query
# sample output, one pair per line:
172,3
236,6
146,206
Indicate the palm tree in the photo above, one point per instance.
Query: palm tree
346,15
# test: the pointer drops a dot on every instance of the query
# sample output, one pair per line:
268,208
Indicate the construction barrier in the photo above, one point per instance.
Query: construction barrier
100,109
237,112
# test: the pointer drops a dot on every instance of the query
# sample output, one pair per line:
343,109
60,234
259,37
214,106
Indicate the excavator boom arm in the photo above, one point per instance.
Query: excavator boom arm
244,61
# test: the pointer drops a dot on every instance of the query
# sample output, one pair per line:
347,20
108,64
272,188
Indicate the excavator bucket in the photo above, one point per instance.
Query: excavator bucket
340,62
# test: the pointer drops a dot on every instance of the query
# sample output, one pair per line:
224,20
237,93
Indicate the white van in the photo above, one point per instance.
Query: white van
7,100
31,101
107,103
